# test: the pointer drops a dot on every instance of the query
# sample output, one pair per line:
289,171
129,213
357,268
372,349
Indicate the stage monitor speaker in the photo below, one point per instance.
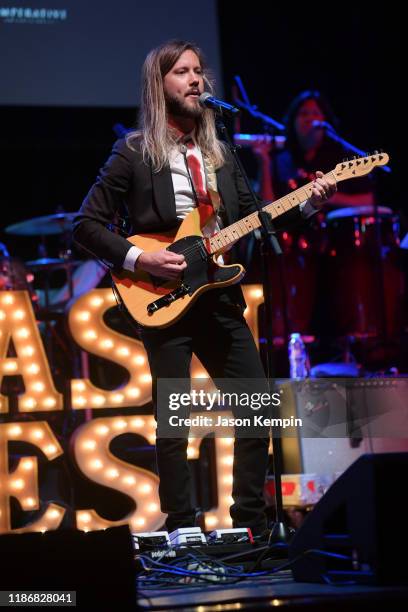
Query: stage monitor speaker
360,517
98,565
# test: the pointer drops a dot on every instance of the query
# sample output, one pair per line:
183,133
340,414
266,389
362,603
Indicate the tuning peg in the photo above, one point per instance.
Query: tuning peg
376,152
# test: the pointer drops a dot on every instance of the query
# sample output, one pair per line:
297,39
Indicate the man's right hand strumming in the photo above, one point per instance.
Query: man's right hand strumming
165,264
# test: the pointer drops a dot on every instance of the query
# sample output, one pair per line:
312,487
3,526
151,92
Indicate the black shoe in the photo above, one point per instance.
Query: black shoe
177,520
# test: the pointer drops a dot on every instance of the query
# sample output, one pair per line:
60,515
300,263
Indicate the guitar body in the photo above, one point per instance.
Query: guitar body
139,290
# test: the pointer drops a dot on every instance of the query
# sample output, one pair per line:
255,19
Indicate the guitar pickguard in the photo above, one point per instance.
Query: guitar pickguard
201,269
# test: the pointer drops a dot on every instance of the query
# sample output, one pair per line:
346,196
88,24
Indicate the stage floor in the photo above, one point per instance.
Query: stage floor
278,590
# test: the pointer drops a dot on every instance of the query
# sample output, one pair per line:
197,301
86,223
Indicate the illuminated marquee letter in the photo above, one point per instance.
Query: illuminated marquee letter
92,334
253,295
94,459
23,482
17,323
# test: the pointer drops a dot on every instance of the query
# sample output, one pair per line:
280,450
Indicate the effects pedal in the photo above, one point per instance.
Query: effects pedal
187,536
149,540
238,535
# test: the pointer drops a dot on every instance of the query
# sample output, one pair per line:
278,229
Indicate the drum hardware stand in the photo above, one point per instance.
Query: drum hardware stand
51,315
49,331
80,362
381,288
43,254
280,531
66,254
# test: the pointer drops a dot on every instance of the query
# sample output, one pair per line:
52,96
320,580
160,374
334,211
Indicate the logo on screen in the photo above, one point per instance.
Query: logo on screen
13,14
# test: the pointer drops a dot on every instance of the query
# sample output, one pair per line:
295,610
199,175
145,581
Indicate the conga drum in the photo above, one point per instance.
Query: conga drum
365,282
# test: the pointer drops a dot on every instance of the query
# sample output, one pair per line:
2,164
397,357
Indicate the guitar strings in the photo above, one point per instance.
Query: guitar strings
196,246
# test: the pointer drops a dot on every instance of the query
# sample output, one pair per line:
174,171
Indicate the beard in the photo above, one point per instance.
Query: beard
179,108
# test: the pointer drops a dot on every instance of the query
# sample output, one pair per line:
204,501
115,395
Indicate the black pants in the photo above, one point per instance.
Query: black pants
215,330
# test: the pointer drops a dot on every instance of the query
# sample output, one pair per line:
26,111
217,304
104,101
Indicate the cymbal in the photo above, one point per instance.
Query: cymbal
43,226
359,211
51,263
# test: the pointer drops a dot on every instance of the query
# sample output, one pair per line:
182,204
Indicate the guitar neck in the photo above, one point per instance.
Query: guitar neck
248,224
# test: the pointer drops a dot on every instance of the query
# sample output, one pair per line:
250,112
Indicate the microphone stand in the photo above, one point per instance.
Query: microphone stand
333,135
287,320
280,531
252,109
270,126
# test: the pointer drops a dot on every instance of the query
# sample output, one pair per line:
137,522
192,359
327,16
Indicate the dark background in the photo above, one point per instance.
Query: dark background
51,155
72,53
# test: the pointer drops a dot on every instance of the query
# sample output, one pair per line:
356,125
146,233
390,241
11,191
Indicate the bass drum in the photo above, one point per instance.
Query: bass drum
365,280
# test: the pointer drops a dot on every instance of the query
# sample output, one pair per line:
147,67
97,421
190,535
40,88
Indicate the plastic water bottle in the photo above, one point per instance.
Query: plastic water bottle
298,361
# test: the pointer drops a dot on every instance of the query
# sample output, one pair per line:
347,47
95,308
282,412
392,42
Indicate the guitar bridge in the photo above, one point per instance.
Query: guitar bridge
168,299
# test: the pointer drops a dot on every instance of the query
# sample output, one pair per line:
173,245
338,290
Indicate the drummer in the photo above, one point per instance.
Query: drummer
308,148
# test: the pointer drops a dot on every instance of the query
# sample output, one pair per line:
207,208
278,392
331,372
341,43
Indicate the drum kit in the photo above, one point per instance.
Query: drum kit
17,275
342,276
367,287
40,277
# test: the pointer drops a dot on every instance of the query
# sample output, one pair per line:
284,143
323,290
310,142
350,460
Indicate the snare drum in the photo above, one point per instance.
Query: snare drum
365,281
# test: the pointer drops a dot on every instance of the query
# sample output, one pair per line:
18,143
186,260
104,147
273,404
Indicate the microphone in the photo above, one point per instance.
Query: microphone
207,100
322,125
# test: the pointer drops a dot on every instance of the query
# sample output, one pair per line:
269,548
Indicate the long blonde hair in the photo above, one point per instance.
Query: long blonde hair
156,138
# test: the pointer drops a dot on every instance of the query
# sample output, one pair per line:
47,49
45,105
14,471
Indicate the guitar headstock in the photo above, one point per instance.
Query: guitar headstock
359,166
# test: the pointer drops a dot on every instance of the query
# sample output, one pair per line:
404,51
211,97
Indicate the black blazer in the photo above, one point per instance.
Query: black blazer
148,197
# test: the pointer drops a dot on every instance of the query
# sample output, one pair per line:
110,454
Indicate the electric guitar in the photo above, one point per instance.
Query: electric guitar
158,302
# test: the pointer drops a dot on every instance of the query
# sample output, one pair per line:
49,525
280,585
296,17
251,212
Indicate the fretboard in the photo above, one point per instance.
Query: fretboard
248,224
